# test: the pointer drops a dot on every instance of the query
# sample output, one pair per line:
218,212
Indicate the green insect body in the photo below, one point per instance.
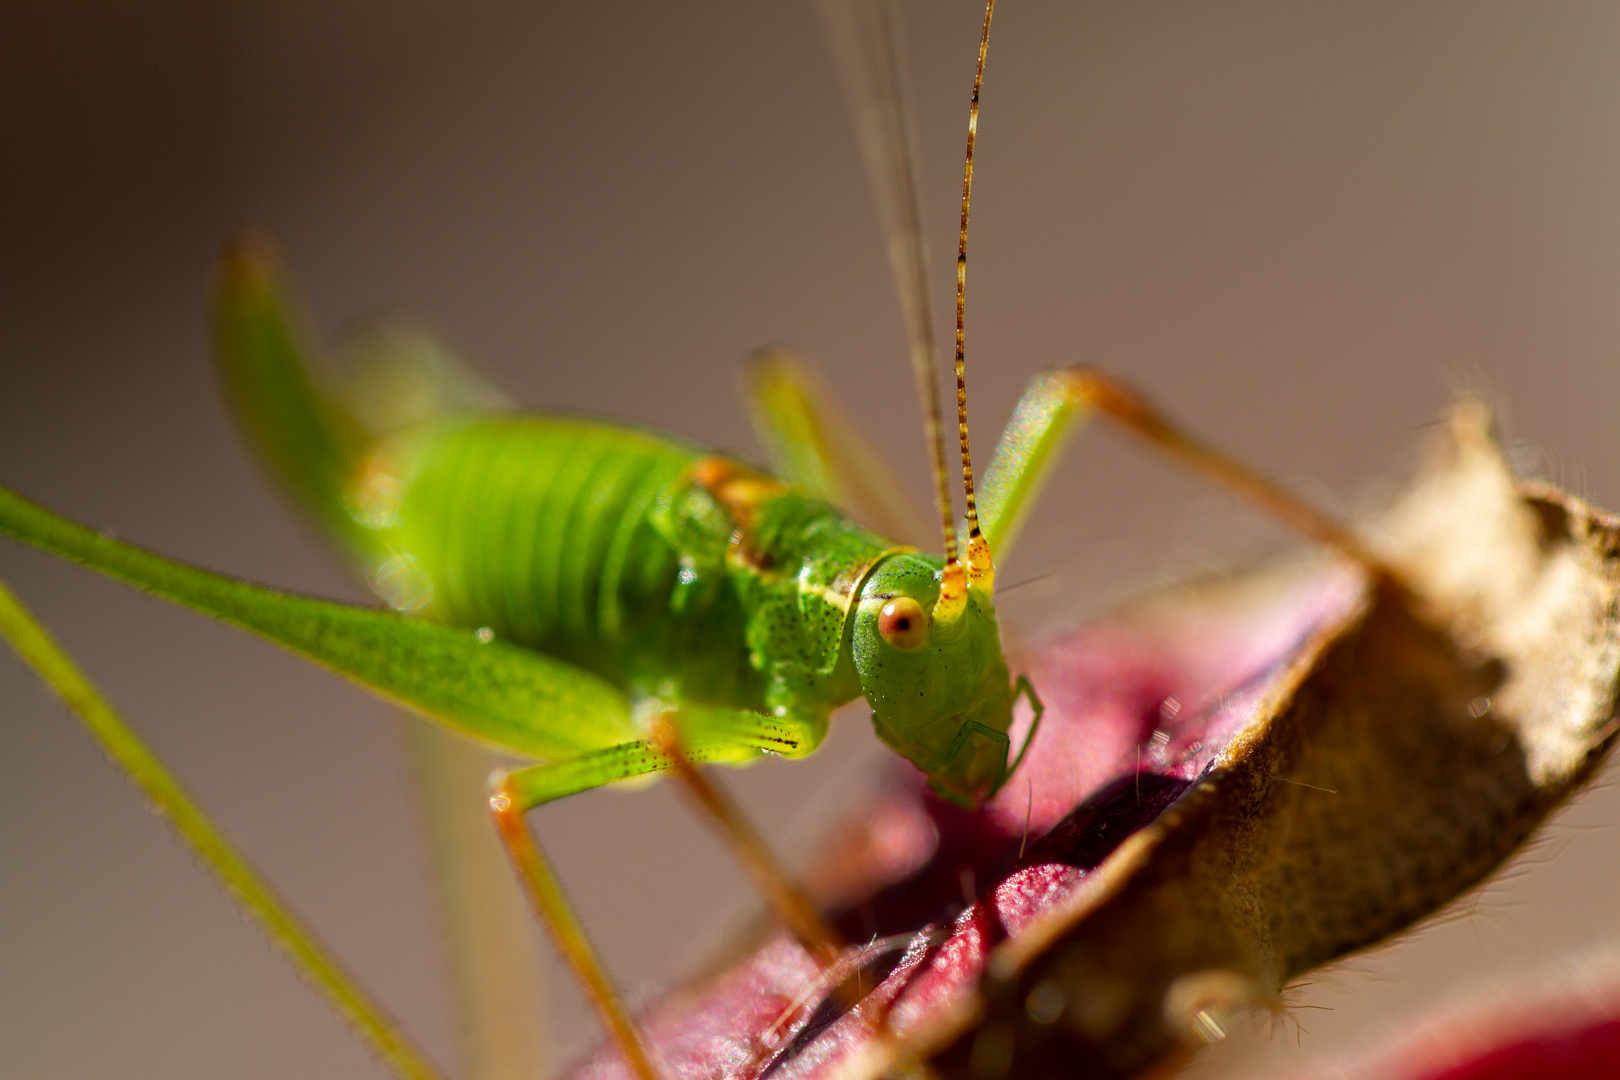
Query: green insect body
583,540
577,591
606,601
683,578
688,578
601,576
609,602
603,600
697,586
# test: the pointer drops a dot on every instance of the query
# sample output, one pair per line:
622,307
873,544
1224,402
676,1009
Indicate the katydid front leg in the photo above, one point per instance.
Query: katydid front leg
1046,418
679,740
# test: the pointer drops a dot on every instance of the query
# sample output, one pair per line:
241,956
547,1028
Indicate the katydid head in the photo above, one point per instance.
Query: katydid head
939,689
925,643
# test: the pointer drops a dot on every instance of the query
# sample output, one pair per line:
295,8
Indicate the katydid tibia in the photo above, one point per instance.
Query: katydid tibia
611,602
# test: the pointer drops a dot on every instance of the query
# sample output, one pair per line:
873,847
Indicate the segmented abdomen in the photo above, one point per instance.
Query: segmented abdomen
542,529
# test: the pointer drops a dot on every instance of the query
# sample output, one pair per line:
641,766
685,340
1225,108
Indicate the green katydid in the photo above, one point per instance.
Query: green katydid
993,523
659,588
611,602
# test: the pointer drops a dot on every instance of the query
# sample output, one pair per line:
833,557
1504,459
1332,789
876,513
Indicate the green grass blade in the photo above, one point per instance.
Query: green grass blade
513,697
250,892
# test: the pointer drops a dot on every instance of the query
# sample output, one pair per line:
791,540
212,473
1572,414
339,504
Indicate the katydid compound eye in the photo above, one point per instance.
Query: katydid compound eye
903,623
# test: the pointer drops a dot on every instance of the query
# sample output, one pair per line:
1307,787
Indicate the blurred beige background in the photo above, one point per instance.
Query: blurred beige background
1302,227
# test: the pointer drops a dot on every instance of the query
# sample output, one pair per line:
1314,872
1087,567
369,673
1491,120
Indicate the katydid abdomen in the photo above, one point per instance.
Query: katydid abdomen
569,536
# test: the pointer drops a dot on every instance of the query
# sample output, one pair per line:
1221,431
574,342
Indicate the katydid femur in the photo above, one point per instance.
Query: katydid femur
611,602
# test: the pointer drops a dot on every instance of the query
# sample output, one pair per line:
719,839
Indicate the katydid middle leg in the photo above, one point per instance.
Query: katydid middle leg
810,442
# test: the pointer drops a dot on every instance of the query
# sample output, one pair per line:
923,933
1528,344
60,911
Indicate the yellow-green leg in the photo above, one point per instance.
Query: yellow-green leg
545,892
749,848
680,740
1045,419
811,443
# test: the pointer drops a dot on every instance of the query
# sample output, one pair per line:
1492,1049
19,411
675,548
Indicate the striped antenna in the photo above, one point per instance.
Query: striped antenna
980,571
863,37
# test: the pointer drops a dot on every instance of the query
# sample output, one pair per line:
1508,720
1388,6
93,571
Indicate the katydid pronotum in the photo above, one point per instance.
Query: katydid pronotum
906,415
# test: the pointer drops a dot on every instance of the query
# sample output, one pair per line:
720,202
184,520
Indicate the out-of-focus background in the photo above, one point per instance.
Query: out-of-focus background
1302,227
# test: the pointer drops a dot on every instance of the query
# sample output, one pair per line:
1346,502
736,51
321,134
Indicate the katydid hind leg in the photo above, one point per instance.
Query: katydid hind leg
238,878
313,419
483,687
486,929
311,424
